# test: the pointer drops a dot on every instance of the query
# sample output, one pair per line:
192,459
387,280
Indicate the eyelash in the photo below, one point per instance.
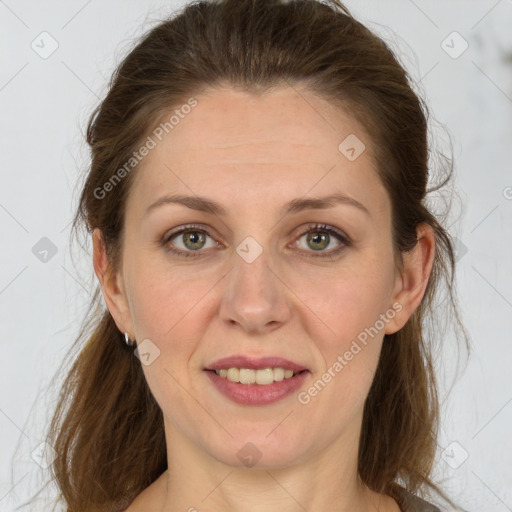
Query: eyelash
317,227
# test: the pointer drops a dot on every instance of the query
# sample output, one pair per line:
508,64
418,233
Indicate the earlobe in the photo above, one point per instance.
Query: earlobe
412,282
111,284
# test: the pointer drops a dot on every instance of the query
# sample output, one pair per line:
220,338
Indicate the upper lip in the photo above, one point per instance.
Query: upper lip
255,363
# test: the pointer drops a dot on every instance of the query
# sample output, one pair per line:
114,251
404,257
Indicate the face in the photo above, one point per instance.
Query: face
256,280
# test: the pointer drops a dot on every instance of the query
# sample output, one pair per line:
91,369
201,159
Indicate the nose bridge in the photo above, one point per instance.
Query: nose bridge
252,267
255,296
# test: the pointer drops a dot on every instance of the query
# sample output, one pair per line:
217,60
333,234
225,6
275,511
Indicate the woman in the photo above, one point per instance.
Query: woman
256,202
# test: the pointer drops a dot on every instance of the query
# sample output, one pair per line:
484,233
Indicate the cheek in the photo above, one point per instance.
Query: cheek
166,309
351,301
353,310
163,299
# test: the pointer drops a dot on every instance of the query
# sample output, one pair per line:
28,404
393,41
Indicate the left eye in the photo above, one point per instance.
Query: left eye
319,239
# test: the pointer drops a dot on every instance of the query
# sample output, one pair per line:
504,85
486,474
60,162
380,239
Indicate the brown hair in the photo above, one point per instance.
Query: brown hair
107,429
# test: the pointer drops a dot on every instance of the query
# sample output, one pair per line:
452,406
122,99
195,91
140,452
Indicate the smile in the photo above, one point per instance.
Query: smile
263,377
241,386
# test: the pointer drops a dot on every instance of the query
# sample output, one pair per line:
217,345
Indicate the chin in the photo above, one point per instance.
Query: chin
258,451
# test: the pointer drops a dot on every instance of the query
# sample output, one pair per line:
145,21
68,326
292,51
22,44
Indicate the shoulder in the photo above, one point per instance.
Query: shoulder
409,502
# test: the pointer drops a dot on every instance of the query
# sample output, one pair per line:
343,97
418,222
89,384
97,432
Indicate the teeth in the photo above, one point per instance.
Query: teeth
246,376
263,377
233,374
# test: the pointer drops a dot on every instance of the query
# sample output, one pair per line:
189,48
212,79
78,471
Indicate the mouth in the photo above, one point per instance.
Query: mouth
256,380
256,387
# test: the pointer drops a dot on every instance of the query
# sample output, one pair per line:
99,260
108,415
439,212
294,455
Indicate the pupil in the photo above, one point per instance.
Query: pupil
317,239
194,237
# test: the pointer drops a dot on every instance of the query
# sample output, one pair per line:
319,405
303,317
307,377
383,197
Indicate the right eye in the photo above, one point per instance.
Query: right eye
193,240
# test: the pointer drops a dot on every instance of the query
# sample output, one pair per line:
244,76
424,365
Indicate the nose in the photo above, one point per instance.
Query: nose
256,298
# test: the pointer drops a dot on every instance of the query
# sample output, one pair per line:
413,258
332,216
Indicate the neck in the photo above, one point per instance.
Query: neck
328,480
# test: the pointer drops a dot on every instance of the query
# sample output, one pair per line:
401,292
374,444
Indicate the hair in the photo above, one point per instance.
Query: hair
107,429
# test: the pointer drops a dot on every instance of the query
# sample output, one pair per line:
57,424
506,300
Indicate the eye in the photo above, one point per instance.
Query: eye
193,239
319,236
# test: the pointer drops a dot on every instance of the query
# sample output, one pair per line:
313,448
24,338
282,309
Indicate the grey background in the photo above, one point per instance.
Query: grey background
45,103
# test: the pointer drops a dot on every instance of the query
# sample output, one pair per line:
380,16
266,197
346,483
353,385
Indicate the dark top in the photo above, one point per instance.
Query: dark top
409,502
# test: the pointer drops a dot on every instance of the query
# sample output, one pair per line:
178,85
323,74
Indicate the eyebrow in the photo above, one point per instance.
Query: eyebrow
204,204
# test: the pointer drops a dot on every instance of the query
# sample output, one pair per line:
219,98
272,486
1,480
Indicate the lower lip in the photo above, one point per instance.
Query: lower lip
256,394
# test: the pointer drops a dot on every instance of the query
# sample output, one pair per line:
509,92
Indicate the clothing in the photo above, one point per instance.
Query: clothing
409,502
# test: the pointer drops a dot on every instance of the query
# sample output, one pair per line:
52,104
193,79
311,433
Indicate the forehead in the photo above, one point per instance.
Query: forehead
236,146
229,121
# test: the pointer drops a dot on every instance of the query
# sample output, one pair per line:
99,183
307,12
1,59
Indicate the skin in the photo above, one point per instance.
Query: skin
253,154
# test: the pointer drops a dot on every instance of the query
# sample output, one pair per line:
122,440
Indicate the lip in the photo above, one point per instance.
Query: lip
255,394
255,363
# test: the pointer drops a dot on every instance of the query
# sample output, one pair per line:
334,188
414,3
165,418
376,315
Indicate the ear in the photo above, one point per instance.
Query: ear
112,285
411,282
